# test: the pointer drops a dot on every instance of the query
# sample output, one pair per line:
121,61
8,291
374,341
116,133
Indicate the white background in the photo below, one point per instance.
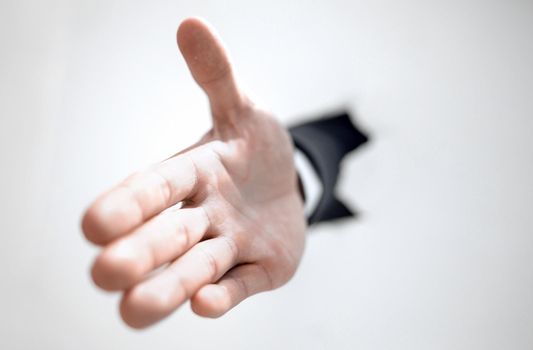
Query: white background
442,257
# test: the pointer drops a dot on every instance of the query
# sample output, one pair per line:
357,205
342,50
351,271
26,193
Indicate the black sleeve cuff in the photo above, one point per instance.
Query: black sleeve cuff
325,142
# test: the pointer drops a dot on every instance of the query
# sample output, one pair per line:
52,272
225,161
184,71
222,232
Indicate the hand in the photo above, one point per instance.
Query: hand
217,222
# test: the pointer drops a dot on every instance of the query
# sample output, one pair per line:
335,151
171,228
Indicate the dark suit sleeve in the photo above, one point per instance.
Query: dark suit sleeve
325,142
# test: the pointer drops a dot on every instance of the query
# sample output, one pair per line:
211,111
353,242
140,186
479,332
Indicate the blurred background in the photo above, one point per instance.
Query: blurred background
442,255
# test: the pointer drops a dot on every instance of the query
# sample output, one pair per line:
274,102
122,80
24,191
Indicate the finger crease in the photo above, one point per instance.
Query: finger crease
233,247
221,75
207,218
268,276
166,188
243,286
196,177
182,233
211,264
136,200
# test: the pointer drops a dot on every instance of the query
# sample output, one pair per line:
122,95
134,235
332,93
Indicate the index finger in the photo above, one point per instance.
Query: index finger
138,198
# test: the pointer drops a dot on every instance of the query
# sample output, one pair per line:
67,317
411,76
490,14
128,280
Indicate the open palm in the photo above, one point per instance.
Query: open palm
217,222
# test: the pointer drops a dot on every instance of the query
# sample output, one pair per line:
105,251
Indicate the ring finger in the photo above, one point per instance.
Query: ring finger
162,239
158,296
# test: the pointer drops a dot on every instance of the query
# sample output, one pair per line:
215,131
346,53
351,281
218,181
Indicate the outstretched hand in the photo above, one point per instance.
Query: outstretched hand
216,223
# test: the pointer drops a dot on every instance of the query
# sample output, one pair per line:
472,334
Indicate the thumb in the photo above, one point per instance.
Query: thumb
209,64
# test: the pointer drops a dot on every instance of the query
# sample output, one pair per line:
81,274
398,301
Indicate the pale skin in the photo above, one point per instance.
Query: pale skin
216,223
